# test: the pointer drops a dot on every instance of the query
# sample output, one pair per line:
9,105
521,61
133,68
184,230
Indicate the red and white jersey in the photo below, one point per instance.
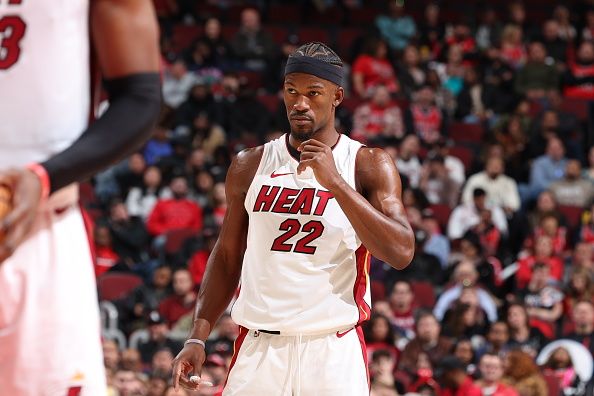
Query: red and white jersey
305,270
44,77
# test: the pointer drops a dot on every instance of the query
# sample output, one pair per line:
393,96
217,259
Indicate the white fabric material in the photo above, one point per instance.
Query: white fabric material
502,191
49,317
295,292
464,217
323,365
45,96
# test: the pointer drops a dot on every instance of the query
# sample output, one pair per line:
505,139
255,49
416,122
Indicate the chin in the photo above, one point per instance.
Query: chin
302,134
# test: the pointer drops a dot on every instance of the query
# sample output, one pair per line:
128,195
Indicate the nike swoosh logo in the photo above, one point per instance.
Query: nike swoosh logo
273,175
340,335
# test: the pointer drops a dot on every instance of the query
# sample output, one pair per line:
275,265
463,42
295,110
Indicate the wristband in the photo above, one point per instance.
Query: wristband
43,176
195,341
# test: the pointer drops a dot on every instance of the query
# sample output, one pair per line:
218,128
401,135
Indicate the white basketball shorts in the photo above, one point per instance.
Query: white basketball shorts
49,318
298,365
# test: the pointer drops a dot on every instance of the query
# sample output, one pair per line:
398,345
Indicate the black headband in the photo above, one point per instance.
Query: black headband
316,67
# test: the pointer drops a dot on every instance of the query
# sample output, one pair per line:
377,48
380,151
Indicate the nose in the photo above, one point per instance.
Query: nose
301,104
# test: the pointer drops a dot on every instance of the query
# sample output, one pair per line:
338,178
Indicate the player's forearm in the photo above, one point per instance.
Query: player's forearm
388,239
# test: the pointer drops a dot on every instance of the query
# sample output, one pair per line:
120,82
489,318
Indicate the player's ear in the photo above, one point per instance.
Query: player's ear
338,96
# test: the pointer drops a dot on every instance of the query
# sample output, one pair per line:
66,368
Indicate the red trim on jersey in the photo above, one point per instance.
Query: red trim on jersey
236,347
89,227
364,351
363,258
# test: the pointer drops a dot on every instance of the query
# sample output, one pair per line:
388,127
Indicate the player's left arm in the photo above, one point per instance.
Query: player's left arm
377,213
125,39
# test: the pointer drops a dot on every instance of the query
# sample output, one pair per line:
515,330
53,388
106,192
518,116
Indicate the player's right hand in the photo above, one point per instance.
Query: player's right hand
187,363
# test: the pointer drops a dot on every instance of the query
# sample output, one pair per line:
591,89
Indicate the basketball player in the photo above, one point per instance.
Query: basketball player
49,321
304,214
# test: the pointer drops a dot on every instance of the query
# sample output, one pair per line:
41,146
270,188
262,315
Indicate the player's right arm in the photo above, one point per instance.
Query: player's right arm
223,269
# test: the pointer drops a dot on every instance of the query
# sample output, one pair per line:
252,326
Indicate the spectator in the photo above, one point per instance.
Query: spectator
475,99
162,361
130,237
453,164
545,170
586,231
158,147
129,383
253,46
105,257
396,28
546,205
177,83
183,301
451,73
224,334
523,374
157,384
536,79
466,216
561,366
437,244
437,184
408,162
175,213
372,68
491,370
411,74
147,297
381,370
380,336
454,379
432,30
588,29
572,189
206,134
497,339
529,339
246,118
378,120
200,100
464,321
130,175
513,52
555,46
489,30
141,200
464,351
502,190
401,303
579,287
158,340
427,119
131,360
543,301
427,340
111,355
543,254
583,321
583,256
218,47
588,173
566,30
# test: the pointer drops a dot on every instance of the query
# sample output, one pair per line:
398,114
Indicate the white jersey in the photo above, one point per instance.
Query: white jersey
44,77
305,270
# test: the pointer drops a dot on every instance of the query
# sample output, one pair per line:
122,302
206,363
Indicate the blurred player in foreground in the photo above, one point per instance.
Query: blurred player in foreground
305,212
49,320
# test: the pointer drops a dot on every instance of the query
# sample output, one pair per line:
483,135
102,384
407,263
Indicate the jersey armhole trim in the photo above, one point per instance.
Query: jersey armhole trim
355,179
265,150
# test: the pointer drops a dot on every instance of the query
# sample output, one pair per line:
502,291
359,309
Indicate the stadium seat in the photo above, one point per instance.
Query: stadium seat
330,16
573,215
270,101
468,133
285,14
184,36
442,214
424,294
279,33
346,38
138,336
307,34
113,286
577,107
252,78
363,16
463,154
176,238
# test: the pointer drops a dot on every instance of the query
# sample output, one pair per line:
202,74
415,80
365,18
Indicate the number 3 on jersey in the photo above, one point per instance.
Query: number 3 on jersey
313,228
12,31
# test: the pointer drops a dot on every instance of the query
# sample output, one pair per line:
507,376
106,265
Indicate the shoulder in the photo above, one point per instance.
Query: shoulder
243,168
372,166
369,158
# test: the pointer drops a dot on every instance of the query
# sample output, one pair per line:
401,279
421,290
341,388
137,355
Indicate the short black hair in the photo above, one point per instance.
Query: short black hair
319,51
478,192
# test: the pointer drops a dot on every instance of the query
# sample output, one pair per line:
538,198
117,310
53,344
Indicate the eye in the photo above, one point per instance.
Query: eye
314,93
291,90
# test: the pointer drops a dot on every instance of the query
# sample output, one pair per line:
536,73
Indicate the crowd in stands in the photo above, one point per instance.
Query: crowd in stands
485,108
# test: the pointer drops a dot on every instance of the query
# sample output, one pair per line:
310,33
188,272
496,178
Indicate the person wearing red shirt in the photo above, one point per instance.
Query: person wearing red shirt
401,302
579,77
175,213
543,253
491,369
378,118
105,256
182,301
452,376
373,68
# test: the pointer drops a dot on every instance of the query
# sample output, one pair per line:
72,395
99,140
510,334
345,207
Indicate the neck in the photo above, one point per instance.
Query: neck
327,136
585,329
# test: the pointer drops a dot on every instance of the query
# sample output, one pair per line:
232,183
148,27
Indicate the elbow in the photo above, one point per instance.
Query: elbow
401,255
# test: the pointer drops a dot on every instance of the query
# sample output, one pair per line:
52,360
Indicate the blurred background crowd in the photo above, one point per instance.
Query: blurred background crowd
485,107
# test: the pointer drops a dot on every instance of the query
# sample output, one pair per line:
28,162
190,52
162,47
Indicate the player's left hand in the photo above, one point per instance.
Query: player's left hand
25,187
319,158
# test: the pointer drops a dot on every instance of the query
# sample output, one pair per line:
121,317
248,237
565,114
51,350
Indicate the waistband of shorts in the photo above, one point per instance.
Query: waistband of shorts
341,329
62,199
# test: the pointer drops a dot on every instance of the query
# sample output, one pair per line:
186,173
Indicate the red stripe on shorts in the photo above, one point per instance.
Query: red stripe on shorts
364,351
362,258
236,347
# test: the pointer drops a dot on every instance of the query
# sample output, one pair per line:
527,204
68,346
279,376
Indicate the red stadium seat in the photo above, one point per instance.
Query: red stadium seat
573,214
253,79
464,154
279,33
229,31
424,294
184,36
469,133
270,101
577,107
176,238
307,34
113,285
442,214
330,16
346,38
284,14
364,16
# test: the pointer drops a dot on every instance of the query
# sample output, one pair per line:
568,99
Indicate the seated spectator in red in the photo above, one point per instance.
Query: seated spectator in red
427,118
543,300
549,227
512,46
454,380
105,256
583,321
158,330
422,378
175,213
583,255
561,366
573,189
182,301
427,340
378,119
380,336
491,375
219,203
580,287
521,334
199,259
372,68
578,80
543,254
401,302
437,183
381,371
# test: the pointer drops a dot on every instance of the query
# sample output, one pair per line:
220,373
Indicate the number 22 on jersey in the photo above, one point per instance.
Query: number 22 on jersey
12,31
